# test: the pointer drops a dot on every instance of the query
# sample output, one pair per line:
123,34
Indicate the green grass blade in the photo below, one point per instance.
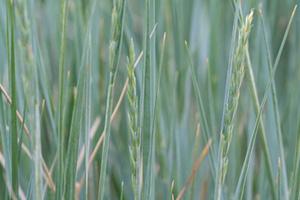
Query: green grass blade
296,183
296,169
171,191
83,90
45,90
211,105
152,147
30,188
72,153
279,180
242,178
256,105
37,115
5,141
118,17
204,125
88,117
60,161
276,115
147,117
14,128
122,191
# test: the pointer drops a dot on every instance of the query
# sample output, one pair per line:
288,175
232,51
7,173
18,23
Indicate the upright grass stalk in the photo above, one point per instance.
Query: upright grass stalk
88,117
203,119
218,167
134,147
32,57
72,153
118,15
60,161
233,98
5,142
211,105
251,81
242,178
83,90
122,191
14,132
171,191
5,138
279,180
146,105
152,138
276,114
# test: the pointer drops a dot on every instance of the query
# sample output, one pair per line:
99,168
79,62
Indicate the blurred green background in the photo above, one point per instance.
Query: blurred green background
207,27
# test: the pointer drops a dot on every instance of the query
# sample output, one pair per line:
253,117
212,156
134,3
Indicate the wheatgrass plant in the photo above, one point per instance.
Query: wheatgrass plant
242,178
118,15
134,147
65,136
232,103
28,51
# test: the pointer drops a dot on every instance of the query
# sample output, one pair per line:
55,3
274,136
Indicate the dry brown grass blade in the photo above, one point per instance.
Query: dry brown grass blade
195,168
51,170
18,114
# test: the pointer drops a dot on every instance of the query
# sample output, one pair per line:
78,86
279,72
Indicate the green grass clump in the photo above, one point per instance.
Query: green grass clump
71,103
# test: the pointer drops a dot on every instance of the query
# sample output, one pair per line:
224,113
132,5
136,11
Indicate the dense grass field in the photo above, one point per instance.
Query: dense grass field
150,99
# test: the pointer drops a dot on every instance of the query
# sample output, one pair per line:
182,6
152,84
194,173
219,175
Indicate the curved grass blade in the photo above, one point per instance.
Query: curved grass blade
242,178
